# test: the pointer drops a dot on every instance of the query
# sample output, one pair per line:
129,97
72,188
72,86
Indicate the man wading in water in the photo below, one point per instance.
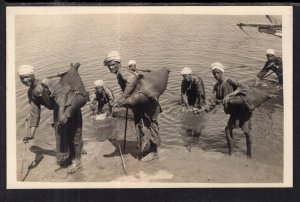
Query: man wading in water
102,99
145,113
240,115
38,95
192,93
274,64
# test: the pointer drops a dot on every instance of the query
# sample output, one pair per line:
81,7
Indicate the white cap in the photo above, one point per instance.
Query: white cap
186,70
270,52
112,56
25,69
99,83
131,62
217,65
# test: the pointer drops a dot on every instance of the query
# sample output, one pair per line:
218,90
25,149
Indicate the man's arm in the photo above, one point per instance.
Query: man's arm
184,97
200,100
212,103
241,88
34,120
131,82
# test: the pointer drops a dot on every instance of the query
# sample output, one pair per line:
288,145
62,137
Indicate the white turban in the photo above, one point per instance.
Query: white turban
98,83
270,52
186,70
217,65
112,56
25,70
131,62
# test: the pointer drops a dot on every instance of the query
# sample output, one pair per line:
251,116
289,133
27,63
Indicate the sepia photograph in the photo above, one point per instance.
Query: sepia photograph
149,96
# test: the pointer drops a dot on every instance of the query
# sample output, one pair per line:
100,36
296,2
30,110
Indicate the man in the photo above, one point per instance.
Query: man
240,115
192,90
193,98
38,95
273,63
135,70
145,113
70,95
102,99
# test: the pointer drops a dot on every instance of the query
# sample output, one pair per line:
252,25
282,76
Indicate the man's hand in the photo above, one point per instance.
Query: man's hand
197,110
63,119
226,99
257,82
27,139
119,103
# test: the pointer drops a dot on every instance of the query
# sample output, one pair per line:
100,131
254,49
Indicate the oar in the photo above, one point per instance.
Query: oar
126,117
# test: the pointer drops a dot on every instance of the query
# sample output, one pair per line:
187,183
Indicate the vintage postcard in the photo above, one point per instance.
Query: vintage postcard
149,96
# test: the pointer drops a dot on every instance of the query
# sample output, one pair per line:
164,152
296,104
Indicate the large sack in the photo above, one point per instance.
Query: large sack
151,85
75,95
254,98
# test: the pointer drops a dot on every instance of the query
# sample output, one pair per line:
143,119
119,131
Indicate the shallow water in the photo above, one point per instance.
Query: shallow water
51,43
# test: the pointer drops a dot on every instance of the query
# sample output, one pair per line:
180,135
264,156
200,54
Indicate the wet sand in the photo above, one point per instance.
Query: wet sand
175,164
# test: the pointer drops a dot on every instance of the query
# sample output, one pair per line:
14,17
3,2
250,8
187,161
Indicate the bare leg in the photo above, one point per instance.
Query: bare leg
76,141
229,138
248,143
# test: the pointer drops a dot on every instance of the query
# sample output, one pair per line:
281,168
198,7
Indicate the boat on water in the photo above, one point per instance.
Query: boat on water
274,27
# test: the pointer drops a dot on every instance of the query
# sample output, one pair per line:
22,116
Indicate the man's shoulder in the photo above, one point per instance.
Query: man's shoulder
197,77
125,72
278,59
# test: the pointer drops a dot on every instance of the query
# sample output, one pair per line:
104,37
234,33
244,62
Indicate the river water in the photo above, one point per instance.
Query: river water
51,43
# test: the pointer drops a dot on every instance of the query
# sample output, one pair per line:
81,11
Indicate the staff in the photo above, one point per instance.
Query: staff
25,149
126,117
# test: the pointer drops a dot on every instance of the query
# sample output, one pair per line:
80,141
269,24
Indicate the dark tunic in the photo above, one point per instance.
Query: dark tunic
127,81
194,90
239,115
274,65
145,115
38,96
99,99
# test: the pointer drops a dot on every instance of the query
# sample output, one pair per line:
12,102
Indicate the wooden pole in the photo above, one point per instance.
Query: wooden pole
126,118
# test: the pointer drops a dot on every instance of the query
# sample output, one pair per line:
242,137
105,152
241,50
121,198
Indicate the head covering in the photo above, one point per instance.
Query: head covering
112,56
99,83
131,62
217,65
270,52
186,70
25,69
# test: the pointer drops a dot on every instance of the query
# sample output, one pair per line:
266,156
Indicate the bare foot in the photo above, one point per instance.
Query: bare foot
74,168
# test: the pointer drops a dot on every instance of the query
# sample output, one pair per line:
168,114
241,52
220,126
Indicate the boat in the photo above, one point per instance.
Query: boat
273,28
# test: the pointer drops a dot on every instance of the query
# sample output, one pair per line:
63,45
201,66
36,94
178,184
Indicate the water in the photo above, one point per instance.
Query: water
51,43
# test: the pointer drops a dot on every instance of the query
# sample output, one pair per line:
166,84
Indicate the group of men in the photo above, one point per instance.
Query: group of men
193,96
66,100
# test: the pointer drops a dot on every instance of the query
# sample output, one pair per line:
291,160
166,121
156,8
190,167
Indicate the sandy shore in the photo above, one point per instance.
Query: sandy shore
175,164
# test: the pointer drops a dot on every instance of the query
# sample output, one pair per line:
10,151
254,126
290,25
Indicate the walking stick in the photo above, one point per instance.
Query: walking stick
25,148
123,163
126,117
